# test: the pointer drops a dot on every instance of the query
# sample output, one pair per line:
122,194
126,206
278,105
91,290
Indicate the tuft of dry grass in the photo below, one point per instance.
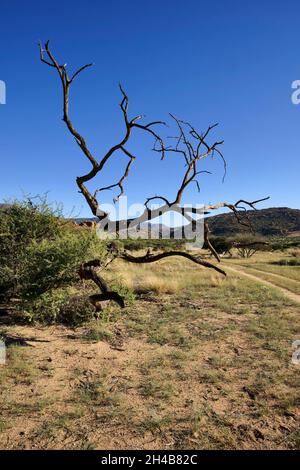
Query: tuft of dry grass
295,252
153,283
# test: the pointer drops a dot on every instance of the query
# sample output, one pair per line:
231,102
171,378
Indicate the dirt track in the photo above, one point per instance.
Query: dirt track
286,292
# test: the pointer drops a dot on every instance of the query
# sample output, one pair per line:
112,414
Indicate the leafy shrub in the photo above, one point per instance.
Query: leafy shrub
283,243
124,291
46,307
76,310
40,257
40,251
60,306
20,223
54,263
288,262
221,244
156,244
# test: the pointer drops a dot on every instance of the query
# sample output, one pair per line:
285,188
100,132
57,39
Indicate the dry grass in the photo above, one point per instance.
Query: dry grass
295,252
164,277
205,364
289,272
288,284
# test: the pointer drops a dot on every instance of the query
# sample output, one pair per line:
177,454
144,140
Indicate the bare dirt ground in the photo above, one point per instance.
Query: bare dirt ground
199,362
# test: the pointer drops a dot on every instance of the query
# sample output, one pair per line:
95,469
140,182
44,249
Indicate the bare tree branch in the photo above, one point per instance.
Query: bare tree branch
122,179
89,271
150,258
208,242
97,166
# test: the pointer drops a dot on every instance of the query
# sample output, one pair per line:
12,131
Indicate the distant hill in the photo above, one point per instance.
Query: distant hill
275,221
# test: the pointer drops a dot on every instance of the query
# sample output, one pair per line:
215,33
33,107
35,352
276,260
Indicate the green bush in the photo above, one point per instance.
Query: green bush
76,310
59,306
220,243
46,307
283,243
124,291
40,251
287,262
40,255
155,244
54,263
20,224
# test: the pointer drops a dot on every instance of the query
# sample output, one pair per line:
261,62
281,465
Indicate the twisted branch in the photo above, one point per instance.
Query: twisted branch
89,271
150,258
97,166
190,144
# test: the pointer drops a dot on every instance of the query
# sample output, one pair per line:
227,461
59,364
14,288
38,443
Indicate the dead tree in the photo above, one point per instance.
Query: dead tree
189,144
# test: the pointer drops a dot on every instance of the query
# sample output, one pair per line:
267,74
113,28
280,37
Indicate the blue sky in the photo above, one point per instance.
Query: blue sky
224,61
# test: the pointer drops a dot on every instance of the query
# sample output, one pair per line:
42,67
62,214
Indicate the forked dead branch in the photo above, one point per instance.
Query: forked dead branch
189,144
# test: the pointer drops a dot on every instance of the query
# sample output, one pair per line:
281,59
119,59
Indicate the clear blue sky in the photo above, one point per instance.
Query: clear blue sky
226,61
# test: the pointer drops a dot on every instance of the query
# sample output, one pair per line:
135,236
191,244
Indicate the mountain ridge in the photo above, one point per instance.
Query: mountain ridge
273,221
